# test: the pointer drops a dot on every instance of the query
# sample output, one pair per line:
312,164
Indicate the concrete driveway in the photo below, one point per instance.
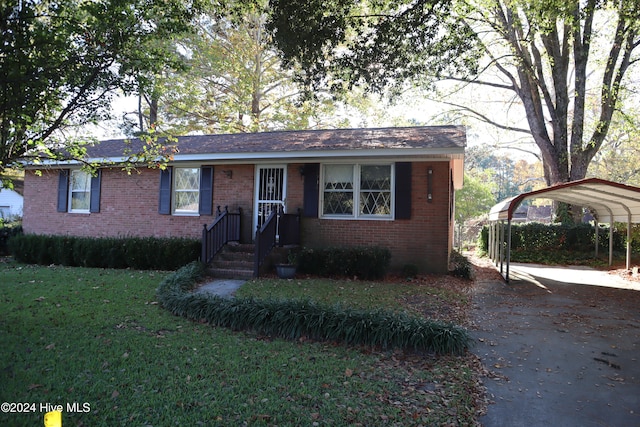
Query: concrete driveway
562,347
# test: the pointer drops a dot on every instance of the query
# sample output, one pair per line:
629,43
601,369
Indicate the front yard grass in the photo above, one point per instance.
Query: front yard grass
95,336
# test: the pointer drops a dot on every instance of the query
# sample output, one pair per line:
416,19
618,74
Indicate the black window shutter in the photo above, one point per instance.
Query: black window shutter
311,189
94,204
403,191
63,190
206,190
164,205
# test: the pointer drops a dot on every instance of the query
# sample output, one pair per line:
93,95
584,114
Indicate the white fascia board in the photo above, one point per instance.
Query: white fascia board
298,156
314,155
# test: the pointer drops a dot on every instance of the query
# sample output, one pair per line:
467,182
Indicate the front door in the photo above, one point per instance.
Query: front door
271,191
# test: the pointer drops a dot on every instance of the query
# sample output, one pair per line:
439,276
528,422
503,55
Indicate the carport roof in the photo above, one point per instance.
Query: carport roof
608,200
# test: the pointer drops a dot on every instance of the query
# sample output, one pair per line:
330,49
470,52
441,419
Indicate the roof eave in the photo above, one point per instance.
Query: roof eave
284,156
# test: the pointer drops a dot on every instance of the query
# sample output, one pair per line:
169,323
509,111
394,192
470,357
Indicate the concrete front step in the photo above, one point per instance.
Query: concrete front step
227,256
232,264
231,273
239,247
234,261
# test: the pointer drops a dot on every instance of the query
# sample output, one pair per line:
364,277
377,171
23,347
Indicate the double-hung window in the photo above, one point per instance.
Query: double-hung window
186,190
78,191
357,191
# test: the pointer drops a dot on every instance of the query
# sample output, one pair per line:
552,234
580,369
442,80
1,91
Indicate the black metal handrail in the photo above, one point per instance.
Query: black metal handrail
265,240
224,229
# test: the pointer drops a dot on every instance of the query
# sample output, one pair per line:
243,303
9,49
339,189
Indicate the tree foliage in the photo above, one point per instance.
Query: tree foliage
61,62
555,49
380,43
619,158
552,56
476,197
234,81
507,177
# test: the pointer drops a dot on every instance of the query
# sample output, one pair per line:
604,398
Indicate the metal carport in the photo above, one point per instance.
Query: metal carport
608,201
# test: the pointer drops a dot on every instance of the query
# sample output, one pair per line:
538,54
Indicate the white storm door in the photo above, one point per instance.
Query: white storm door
271,192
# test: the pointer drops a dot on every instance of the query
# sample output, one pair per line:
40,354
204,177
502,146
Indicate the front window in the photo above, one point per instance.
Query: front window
357,191
375,190
338,190
80,191
186,190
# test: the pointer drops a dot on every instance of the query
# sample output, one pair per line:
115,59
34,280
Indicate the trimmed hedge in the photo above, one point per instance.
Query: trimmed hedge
367,263
141,253
7,231
580,237
292,319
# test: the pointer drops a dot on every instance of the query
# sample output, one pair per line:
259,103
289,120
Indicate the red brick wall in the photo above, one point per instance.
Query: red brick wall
424,240
295,188
129,207
236,191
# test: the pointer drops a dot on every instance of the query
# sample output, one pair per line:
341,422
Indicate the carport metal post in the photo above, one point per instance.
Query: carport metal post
596,229
611,241
501,252
493,245
508,248
628,238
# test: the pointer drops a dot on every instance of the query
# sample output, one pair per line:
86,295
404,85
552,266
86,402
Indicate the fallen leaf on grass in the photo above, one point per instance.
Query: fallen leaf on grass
33,386
115,394
50,346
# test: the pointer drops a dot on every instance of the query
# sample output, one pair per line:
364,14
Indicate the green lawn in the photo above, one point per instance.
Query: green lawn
97,338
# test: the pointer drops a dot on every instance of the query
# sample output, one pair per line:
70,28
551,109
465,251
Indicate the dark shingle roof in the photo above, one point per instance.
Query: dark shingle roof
428,137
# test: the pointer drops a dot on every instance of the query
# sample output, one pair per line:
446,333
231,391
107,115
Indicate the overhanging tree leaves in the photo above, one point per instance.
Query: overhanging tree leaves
380,43
61,62
235,82
551,54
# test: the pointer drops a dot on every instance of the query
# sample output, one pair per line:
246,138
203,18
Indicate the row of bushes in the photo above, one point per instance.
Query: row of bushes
142,253
293,319
7,231
367,263
541,237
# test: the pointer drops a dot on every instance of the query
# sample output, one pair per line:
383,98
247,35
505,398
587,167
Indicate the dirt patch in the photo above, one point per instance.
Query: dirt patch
445,298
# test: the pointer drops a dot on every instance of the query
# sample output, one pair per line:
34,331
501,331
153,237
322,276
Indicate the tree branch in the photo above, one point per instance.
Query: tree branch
485,119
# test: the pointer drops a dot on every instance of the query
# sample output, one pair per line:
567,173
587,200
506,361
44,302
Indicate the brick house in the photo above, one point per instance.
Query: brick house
389,187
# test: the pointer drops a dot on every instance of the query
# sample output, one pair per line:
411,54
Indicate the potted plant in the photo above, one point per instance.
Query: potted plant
287,270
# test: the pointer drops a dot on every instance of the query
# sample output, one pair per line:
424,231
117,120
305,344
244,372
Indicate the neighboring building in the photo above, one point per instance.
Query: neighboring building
11,201
390,187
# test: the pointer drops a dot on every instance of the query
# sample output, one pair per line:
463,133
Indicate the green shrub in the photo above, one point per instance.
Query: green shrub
410,271
7,231
367,263
293,319
460,266
483,241
562,243
140,253
534,237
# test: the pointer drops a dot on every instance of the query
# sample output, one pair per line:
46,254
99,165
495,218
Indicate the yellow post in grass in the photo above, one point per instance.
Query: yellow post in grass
53,419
